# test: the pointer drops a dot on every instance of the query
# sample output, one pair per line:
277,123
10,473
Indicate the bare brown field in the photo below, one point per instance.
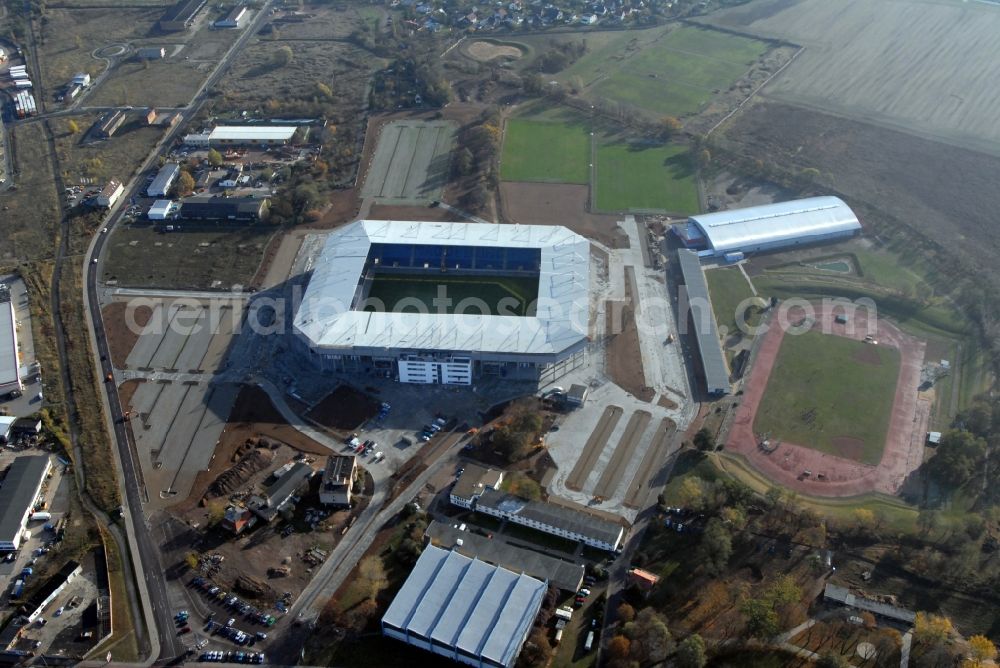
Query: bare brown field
918,66
129,83
29,216
559,204
70,36
319,22
945,192
343,67
118,157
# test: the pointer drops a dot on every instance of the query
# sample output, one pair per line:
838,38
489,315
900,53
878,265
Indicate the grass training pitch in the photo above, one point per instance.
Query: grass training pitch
500,295
656,177
728,289
545,151
831,394
680,72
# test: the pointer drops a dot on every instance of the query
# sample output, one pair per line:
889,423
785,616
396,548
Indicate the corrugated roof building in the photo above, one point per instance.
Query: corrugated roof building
464,609
20,487
164,179
772,226
250,135
701,320
10,375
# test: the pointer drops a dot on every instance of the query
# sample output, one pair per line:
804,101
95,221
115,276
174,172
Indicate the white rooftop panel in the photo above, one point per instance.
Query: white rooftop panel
774,223
253,132
8,345
502,644
560,321
463,602
412,591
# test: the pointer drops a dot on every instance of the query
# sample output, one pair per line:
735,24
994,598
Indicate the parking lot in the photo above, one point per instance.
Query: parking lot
177,411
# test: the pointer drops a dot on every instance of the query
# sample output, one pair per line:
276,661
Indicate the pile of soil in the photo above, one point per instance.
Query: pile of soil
345,409
235,477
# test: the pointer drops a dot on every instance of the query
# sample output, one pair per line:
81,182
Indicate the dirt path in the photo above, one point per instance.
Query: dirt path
595,445
655,456
624,451
832,475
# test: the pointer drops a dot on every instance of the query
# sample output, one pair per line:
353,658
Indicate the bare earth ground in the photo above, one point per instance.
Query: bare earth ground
909,64
486,51
843,477
559,204
121,338
944,192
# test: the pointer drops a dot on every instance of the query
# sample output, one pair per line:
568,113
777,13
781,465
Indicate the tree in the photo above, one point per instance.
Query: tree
703,439
73,126
832,661
214,157
761,619
521,485
185,184
691,494
619,648
324,91
704,158
283,56
465,162
669,126
927,520
931,630
651,639
625,613
982,651
959,456
864,519
536,652
716,546
691,652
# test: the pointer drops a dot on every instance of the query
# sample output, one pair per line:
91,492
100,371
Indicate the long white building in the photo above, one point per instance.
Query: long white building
343,332
10,375
773,226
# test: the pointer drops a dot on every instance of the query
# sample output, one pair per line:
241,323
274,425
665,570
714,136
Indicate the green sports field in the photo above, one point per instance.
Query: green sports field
728,289
678,73
654,177
556,152
831,394
500,295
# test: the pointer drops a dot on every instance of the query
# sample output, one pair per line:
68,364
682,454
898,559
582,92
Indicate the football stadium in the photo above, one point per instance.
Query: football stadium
448,302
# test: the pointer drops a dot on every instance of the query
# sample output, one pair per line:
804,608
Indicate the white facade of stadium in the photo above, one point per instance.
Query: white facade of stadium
439,347
464,609
773,226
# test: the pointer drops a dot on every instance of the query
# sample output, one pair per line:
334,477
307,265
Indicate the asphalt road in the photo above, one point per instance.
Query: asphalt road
148,569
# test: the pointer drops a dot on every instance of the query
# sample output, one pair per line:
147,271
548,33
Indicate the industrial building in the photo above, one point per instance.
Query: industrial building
10,373
235,209
233,18
242,135
278,495
110,194
161,209
18,493
181,15
711,368
108,124
770,226
551,518
341,331
475,480
464,609
151,53
164,179
338,478
81,79
565,575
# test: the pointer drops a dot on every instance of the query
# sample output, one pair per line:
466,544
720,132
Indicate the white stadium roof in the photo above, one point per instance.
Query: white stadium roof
561,319
466,604
252,133
776,224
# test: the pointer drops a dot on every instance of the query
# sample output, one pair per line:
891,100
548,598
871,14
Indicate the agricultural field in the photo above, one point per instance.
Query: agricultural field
910,65
678,73
517,294
535,150
658,178
832,394
142,257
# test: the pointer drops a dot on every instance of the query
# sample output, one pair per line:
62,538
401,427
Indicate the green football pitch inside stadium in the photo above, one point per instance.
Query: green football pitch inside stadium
486,295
